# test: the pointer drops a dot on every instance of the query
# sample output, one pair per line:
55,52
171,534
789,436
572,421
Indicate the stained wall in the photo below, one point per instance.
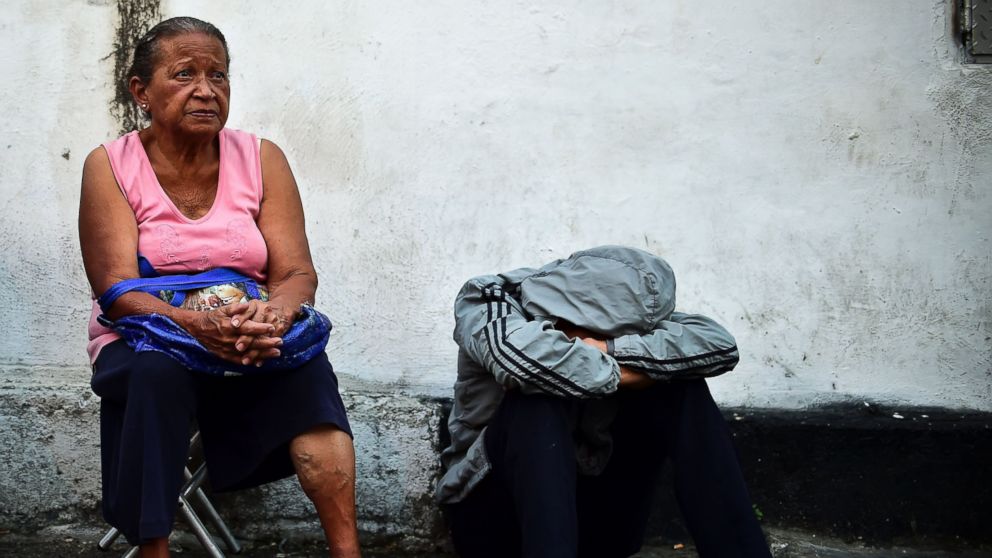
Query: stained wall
818,174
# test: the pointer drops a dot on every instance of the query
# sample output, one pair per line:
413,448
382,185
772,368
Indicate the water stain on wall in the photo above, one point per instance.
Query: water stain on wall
965,103
134,18
966,106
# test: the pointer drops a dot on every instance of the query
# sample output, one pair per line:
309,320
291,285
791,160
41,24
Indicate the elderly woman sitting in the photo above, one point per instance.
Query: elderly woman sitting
190,195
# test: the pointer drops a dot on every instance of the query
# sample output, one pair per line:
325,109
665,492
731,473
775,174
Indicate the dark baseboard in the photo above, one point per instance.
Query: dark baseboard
886,476
859,471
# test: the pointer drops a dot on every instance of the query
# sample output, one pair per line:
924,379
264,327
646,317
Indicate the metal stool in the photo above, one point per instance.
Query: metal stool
191,491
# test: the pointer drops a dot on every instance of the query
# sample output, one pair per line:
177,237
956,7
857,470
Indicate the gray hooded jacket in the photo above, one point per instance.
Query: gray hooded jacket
505,331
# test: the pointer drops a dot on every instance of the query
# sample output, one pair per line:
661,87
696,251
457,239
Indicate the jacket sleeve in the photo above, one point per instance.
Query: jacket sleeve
685,346
524,354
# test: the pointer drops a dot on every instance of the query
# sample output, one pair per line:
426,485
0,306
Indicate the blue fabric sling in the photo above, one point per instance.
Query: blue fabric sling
306,338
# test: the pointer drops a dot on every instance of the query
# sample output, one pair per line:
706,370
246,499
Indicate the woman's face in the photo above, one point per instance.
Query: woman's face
189,91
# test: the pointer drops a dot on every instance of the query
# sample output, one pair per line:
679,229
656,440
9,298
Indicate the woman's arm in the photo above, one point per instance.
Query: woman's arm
108,237
292,278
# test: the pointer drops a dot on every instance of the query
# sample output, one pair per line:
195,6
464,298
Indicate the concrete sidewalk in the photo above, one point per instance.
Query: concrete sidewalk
80,541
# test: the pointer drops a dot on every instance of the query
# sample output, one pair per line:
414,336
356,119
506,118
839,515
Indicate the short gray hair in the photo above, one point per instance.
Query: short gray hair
147,47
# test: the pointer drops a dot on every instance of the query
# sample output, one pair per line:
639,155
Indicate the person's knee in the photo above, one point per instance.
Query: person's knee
320,476
666,397
324,462
159,376
532,424
534,409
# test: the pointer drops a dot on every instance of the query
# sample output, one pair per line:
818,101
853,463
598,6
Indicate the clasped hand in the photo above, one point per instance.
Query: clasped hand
629,379
245,333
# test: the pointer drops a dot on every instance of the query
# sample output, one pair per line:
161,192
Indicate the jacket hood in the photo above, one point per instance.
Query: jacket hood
611,290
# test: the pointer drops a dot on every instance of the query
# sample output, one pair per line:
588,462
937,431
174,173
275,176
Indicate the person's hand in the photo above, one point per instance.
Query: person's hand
244,315
631,379
573,331
598,343
250,343
259,311
582,334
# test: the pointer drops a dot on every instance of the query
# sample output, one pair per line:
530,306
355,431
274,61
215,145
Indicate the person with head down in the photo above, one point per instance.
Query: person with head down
576,382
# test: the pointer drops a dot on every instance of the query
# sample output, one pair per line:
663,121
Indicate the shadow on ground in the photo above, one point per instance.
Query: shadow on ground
81,542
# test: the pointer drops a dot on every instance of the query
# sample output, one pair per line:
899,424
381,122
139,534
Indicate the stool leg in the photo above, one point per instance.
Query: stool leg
191,488
211,512
108,539
193,483
208,508
198,529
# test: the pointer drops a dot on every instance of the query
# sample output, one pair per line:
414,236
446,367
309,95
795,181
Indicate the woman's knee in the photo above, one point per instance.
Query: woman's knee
157,380
320,477
324,459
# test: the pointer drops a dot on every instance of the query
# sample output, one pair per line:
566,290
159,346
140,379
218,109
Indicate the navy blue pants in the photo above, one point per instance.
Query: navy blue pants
534,503
148,405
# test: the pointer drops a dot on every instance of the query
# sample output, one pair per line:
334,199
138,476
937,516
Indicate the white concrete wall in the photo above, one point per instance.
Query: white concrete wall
817,173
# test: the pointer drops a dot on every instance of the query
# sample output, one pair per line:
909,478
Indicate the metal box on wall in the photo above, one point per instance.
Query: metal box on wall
977,30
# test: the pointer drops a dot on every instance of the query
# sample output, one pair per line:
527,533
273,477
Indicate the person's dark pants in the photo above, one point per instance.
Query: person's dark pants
147,407
145,421
533,504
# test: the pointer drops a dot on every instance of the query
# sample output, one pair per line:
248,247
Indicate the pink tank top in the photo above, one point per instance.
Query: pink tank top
227,236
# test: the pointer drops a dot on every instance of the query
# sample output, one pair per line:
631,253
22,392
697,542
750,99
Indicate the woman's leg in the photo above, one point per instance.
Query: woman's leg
324,458
155,548
147,405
